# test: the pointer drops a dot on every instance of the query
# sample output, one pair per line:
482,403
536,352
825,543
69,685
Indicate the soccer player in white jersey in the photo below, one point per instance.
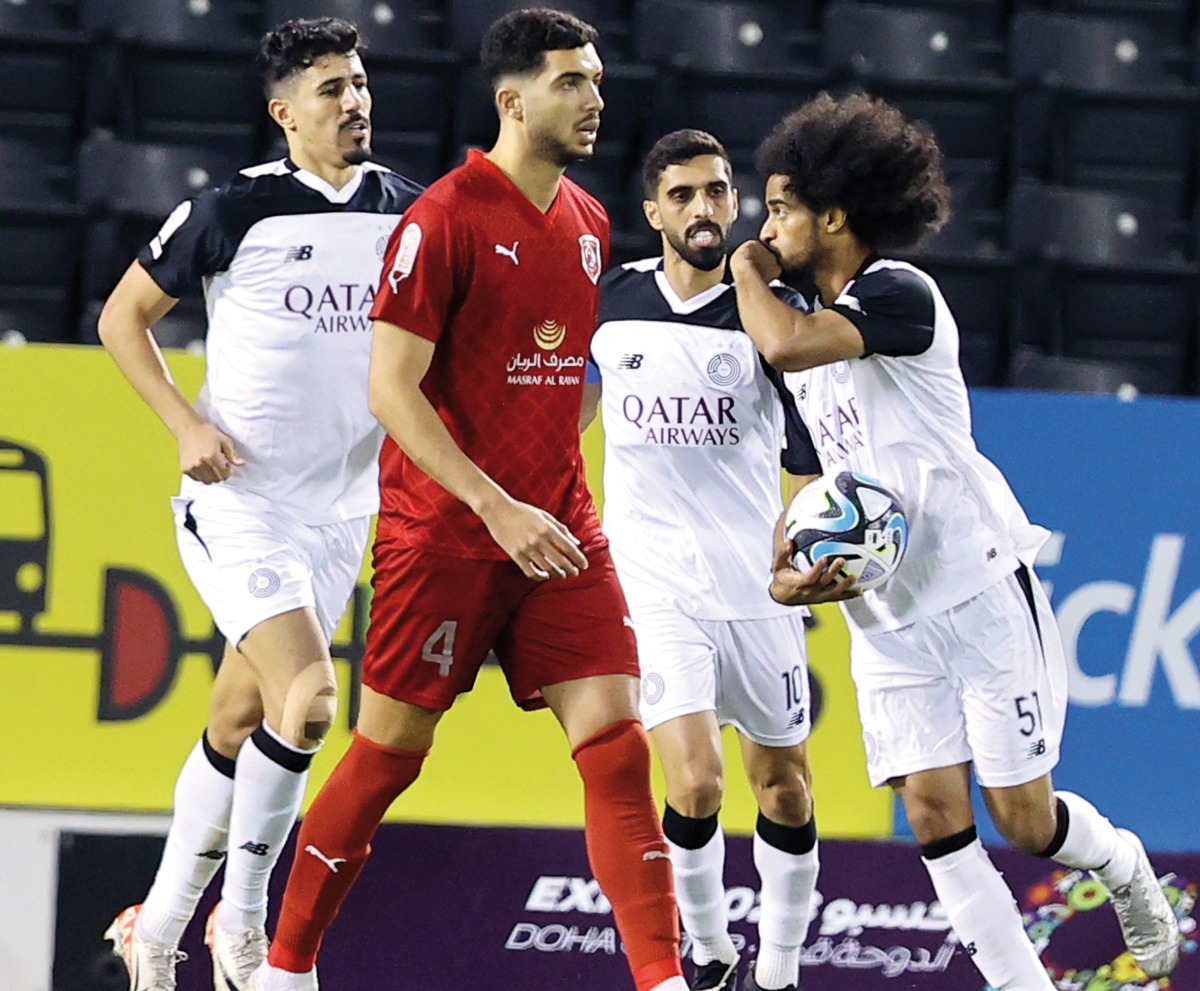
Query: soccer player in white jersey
957,659
694,422
280,465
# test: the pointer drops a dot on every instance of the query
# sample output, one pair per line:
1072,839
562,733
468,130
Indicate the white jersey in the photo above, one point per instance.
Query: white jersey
290,267
901,415
694,426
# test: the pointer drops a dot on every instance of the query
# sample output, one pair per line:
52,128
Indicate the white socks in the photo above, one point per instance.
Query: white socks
1092,844
700,887
981,910
787,861
267,791
195,844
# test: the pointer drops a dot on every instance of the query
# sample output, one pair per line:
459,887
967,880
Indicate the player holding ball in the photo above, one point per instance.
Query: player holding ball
956,659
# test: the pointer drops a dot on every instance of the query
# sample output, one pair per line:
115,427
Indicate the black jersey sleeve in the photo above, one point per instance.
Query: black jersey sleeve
893,309
192,243
799,454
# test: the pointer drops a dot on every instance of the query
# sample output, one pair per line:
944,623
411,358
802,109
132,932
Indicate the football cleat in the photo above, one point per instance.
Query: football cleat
752,984
236,954
151,965
1147,920
715,976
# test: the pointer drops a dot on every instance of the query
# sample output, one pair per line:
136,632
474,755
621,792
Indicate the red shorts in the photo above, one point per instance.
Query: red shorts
434,618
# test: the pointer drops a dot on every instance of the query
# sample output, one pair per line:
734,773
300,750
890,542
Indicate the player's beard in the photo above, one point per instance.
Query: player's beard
548,148
704,259
359,155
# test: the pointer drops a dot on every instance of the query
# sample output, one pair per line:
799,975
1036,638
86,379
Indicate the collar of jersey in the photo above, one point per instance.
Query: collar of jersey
313,181
683,306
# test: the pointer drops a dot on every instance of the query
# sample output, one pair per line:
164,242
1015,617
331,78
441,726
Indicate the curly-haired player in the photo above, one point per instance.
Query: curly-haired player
957,659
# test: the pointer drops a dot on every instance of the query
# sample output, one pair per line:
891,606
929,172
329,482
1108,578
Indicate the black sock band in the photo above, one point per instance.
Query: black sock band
689,833
949,844
790,839
273,750
1060,830
219,761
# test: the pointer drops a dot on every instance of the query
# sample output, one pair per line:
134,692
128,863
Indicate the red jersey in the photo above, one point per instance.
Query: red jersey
510,297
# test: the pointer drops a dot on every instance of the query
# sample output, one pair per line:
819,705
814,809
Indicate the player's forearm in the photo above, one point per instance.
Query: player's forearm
771,324
126,336
414,425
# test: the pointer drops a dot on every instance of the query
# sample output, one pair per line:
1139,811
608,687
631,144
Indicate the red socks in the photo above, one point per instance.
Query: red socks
627,850
334,841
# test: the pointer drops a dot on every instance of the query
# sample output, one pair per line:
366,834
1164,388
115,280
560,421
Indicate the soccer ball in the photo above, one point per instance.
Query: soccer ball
851,516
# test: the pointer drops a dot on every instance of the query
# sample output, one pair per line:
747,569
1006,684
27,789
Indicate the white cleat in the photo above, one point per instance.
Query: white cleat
151,964
268,978
236,954
1147,920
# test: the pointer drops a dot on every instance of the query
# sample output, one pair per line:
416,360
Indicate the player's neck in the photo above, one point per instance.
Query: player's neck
687,280
535,177
336,175
835,270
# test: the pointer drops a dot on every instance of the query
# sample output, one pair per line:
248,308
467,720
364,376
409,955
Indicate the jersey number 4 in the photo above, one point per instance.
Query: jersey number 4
443,657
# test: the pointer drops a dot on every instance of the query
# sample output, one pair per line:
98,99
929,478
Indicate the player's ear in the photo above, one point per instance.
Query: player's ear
653,217
280,111
834,219
508,103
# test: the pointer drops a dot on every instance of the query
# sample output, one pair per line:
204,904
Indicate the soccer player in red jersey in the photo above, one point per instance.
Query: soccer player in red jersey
487,536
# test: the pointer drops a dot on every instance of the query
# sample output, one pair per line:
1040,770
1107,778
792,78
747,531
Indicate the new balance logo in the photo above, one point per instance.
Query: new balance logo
300,253
509,252
331,863
258,849
971,949
629,361
212,855
796,719
1038,749
656,855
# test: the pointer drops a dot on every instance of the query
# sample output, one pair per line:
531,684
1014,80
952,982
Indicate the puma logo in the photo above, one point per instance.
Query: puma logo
656,855
509,252
331,864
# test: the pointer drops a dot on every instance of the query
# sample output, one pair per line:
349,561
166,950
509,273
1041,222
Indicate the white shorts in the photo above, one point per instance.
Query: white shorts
982,682
752,672
251,565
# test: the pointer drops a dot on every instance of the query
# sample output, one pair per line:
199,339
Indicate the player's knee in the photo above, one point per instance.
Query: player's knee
231,720
309,707
1026,827
933,817
784,795
698,790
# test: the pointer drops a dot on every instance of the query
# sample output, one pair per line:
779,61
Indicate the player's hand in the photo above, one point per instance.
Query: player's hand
540,545
824,582
206,454
756,255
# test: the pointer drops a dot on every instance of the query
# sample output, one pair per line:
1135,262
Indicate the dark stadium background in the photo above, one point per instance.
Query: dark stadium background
1069,128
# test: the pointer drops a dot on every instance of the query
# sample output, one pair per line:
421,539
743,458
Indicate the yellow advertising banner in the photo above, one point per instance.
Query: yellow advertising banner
107,653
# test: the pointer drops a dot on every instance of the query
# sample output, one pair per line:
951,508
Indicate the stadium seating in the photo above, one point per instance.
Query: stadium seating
1089,83
1033,102
1032,370
1100,279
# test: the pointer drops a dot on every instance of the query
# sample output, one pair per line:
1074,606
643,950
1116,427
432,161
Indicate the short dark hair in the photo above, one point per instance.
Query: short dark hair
517,43
863,155
296,44
675,149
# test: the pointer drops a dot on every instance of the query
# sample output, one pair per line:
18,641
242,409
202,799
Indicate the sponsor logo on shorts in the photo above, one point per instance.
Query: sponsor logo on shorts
653,688
871,747
796,719
263,583
1037,750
